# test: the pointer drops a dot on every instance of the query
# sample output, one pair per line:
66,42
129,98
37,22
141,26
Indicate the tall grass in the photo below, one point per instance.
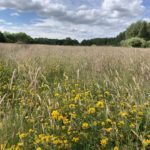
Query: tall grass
55,97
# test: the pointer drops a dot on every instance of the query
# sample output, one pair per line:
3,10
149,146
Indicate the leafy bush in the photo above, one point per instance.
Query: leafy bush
134,42
148,44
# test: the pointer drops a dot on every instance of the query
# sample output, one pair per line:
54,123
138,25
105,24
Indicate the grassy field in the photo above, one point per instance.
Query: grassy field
74,98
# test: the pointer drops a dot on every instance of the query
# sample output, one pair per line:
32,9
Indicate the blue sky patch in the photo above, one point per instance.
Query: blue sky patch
75,18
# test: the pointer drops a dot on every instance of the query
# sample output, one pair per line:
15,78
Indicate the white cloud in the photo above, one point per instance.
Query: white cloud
14,14
3,22
124,8
80,18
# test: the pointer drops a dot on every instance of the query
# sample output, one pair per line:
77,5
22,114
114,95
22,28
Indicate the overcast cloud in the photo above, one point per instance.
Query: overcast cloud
75,18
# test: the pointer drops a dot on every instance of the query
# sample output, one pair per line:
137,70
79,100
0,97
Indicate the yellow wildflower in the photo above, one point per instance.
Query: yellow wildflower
72,106
41,135
46,138
55,114
146,104
2,146
73,115
100,104
95,123
73,91
87,93
123,114
31,120
38,148
140,113
107,93
57,141
31,130
116,148
66,121
108,130
85,125
104,142
77,97
109,121
75,139
23,135
91,110
37,141
63,127
57,94
103,123
65,141
146,142
121,123
60,117
43,138
132,125
122,104
76,85
20,144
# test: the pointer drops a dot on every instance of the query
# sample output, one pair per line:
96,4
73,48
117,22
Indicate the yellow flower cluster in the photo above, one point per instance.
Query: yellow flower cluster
57,112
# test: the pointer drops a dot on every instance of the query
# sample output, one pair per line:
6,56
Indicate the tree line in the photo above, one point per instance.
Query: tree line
23,38
136,35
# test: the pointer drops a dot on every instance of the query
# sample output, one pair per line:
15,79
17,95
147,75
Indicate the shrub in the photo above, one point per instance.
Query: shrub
134,42
148,44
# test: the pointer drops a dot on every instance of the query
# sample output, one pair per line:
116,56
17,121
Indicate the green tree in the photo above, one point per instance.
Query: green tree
133,30
2,38
23,38
139,29
10,38
69,41
143,31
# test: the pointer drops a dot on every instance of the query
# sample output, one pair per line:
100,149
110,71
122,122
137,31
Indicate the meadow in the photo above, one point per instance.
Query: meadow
74,98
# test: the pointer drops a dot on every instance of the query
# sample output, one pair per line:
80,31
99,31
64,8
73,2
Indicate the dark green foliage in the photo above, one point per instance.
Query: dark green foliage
139,29
2,38
143,31
23,38
132,30
67,41
10,38
134,42
101,41
17,38
120,37
148,44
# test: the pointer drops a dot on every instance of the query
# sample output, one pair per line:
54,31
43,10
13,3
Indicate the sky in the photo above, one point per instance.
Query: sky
78,19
